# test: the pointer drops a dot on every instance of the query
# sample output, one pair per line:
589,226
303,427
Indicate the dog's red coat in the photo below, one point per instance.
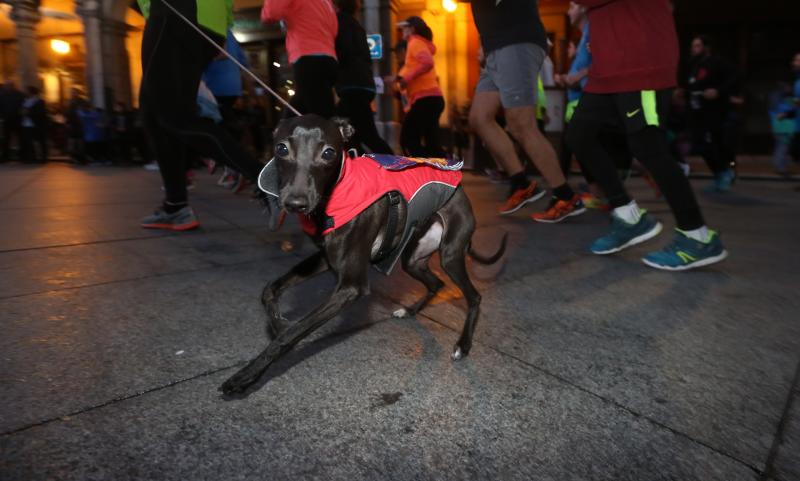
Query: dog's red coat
363,181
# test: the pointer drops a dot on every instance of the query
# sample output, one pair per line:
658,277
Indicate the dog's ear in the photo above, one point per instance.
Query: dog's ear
345,128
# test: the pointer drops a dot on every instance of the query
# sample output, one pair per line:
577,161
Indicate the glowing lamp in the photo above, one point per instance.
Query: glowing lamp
59,46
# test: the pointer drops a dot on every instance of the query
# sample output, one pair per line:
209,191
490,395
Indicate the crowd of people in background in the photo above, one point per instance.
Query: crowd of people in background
332,75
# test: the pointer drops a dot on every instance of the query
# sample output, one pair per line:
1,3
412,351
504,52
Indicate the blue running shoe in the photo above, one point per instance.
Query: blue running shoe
722,181
624,235
685,253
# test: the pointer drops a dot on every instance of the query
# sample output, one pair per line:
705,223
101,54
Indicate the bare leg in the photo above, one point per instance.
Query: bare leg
522,125
482,118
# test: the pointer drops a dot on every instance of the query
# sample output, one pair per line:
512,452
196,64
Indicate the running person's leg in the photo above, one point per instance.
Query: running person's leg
514,70
355,105
173,58
486,105
411,131
433,108
314,78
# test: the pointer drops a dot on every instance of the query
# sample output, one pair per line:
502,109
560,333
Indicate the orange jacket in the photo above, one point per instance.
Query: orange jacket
311,26
418,71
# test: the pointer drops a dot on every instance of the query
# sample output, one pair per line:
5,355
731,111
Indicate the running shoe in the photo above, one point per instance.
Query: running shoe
560,210
685,253
722,181
623,234
520,197
591,201
184,219
241,184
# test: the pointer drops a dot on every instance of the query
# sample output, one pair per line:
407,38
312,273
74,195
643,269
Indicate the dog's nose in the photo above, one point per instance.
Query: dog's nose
296,204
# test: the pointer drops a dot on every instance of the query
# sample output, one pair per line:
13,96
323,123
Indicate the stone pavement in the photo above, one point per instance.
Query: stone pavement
115,339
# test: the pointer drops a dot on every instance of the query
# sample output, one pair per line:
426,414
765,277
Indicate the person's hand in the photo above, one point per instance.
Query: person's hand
559,79
571,80
546,118
481,57
401,82
710,94
781,116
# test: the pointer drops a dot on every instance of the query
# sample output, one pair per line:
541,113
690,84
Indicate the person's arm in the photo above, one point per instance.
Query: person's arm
275,10
575,78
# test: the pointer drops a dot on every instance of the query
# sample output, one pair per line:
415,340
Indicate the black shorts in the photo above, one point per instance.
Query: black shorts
627,112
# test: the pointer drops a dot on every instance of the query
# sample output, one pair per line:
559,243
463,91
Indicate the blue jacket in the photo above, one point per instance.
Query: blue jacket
582,60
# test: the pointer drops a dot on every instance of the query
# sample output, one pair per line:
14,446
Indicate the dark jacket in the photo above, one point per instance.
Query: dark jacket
352,51
634,46
11,103
711,72
36,112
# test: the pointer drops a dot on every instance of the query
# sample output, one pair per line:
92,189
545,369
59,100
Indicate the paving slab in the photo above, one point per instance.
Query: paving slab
384,403
786,463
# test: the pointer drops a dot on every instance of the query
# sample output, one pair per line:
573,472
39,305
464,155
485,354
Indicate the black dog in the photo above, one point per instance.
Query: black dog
308,152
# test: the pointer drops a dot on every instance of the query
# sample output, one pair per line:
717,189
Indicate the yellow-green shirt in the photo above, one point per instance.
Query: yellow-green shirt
215,15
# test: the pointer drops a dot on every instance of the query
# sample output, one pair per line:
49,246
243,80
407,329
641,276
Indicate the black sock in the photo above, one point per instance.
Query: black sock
172,207
563,192
518,181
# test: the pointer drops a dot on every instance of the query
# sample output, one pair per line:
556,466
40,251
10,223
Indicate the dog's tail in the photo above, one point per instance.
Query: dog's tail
492,258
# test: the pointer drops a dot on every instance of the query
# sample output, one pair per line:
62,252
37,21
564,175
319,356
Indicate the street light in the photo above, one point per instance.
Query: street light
449,6
60,46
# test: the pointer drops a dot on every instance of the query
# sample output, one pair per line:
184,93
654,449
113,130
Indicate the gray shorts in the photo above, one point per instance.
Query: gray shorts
513,71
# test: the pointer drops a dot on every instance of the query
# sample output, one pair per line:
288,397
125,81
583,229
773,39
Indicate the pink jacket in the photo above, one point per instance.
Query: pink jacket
311,25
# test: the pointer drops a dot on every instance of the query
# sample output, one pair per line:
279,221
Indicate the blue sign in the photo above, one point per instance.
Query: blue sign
375,43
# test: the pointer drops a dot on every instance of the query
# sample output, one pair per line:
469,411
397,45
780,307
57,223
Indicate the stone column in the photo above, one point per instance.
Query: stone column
377,16
116,72
91,11
25,15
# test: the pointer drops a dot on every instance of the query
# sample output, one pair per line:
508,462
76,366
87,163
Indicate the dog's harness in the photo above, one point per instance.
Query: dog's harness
422,186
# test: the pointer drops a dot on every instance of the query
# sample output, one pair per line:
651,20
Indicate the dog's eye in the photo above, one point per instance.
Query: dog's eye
329,154
281,150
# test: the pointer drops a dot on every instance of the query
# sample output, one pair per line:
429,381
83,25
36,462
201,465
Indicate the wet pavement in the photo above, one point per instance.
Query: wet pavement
115,340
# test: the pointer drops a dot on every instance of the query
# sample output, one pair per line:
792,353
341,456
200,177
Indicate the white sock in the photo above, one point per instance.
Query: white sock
630,213
702,234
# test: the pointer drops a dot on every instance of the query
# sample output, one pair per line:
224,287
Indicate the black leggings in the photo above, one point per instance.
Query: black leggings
354,105
422,124
314,78
598,114
174,57
708,141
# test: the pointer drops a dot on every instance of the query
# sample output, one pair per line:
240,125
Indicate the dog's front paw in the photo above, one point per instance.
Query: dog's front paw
400,313
239,382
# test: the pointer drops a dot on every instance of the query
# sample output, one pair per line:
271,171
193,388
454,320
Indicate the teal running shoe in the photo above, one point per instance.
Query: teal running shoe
686,253
722,181
624,235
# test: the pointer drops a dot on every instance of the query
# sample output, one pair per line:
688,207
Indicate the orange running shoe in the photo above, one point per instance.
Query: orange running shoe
591,201
560,210
520,197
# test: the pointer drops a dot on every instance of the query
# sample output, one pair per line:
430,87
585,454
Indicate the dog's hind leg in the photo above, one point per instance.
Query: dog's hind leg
415,263
459,227
305,269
